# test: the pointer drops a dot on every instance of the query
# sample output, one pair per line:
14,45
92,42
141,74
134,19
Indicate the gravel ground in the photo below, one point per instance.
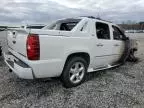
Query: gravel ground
121,87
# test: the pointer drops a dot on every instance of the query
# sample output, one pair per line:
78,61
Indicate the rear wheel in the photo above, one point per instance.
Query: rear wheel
74,72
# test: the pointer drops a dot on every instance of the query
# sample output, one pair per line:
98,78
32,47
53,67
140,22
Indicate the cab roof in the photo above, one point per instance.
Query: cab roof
97,18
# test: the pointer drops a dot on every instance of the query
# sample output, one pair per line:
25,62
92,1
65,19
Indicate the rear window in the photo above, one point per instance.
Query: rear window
64,25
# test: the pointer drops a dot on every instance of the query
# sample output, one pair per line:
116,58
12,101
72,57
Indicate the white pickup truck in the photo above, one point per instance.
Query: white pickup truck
68,48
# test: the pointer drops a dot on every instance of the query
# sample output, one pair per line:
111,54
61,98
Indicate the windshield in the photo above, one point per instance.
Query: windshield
65,25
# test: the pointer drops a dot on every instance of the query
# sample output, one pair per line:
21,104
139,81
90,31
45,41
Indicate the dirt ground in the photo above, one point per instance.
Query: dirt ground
121,87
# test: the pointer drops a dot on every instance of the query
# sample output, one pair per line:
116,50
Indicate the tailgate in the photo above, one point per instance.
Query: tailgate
17,40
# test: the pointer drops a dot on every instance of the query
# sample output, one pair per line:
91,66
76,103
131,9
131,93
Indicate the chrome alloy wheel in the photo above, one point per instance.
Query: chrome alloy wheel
76,72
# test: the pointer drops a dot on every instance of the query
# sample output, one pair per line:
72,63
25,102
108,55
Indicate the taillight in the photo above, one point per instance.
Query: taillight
33,47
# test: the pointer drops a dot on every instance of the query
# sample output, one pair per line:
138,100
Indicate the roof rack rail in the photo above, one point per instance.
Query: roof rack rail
98,18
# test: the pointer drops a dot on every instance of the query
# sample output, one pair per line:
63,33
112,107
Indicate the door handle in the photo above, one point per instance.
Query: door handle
99,45
116,45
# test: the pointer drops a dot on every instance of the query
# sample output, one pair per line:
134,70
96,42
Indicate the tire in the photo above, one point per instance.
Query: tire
131,57
74,72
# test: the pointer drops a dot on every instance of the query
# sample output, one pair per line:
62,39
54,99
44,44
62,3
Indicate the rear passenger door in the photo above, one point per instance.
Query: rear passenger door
103,45
118,43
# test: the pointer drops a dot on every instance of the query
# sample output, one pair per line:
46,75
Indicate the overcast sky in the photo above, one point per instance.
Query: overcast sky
44,11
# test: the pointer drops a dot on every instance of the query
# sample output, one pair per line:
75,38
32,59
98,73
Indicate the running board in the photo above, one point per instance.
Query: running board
104,68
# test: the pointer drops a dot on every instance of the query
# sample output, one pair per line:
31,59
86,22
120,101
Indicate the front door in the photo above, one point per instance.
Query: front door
118,43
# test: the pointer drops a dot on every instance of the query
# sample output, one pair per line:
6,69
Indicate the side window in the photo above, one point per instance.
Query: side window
102,30
68,26
118,35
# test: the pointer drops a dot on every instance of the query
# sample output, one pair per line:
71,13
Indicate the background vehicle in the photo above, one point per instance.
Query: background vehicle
68,48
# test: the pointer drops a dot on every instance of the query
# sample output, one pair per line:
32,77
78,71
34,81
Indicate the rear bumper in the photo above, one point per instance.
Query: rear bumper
28,69
21,69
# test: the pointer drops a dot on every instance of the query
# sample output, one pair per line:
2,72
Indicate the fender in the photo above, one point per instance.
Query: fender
75,50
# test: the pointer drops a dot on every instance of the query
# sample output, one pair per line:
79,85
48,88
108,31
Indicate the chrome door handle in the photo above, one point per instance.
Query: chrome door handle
116,45
99,45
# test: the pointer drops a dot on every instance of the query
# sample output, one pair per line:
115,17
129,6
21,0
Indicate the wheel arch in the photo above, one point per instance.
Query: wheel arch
84,55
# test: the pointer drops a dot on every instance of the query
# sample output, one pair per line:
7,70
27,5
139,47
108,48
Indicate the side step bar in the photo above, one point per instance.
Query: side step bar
104,68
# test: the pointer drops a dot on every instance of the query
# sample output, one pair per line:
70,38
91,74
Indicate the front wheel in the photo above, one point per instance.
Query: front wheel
74,72
131,57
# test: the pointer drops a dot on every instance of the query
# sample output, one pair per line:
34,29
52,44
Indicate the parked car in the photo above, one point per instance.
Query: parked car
68,48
